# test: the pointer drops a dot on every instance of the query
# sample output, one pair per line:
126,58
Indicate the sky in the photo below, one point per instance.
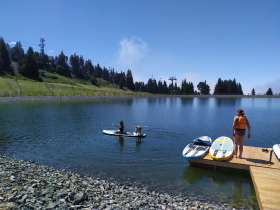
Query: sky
193,40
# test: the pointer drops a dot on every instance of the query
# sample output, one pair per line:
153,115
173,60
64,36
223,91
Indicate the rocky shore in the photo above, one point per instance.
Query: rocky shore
26,185
96,97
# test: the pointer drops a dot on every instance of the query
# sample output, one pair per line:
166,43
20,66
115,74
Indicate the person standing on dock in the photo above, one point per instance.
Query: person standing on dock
238,132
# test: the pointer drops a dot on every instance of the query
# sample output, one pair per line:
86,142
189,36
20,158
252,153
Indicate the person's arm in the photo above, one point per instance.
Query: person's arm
235,120
249,128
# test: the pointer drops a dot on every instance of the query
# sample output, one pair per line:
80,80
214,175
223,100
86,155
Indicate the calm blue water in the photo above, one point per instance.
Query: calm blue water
70,133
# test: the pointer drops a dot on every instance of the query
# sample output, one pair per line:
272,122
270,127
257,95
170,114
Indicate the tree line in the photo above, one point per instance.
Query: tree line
15,61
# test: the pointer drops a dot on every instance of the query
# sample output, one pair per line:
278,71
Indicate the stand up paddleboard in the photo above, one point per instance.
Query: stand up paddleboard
197,148
222,148
126,134
276,150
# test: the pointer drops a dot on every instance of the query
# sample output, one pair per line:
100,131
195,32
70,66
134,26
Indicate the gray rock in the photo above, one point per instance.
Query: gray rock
11,199
62,195
52,205
79,197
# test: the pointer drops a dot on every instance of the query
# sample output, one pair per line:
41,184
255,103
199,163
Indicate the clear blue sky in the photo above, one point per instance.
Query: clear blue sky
197,40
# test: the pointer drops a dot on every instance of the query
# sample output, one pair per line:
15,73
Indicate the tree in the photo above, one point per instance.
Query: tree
165,88
30,65
219,87
105,74
97,71
269,92
53,65
186,87
160,87
129,80
239,91
253,92
149,87
4,57
75,64
62,67
204,88
17,53
121,84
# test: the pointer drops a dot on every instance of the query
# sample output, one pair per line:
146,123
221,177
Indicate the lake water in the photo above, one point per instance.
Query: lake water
68,133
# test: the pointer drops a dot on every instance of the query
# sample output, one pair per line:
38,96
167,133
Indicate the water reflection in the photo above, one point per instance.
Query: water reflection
203,101
187,101
236,199
122,140
228,101
222,178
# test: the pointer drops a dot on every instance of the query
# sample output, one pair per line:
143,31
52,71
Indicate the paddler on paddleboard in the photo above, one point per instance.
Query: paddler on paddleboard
121,127
238,132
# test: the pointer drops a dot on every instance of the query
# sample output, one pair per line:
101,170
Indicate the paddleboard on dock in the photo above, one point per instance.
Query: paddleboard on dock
197,148
126,134
222,148
276,150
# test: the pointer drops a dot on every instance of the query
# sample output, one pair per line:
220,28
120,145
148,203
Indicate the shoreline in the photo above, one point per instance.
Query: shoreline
101,97
26,185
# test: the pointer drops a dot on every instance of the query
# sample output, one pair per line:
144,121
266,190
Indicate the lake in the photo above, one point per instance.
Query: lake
68,134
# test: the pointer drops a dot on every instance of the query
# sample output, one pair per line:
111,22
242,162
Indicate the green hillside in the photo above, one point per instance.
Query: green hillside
57,85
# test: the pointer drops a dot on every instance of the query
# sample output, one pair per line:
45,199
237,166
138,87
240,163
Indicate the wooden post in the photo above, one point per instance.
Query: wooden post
4,94
12,94
28,94
67,94
36,94
270,156
60,94
74,94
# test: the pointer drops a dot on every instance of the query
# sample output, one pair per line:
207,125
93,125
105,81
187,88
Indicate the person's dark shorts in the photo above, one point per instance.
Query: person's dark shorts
240,132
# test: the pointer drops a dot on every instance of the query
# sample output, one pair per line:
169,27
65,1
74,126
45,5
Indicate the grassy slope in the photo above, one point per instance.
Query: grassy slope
56,85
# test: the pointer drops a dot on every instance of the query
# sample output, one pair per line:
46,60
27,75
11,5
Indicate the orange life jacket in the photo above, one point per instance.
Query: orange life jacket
241,124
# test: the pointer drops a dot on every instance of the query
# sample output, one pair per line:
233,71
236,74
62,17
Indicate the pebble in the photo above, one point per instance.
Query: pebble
49,188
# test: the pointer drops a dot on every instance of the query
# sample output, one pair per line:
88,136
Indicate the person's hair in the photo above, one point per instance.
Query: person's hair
121,122
240,112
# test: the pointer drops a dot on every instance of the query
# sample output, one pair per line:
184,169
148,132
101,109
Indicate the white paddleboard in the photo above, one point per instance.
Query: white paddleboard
222,148
276,150
126,134
197,148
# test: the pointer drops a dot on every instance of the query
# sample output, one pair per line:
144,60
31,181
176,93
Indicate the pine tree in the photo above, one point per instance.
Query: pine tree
62,67
218,87
129,80
160,87
253,92
121,83
165,88
30,65
97,71
75,64
5,57
105,74
269,92
240,91
53,65
191,88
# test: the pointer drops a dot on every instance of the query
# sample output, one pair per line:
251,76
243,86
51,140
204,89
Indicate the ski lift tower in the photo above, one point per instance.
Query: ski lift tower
172,78
42,45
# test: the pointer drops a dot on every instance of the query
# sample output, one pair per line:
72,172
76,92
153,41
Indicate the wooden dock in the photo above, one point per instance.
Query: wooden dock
265,177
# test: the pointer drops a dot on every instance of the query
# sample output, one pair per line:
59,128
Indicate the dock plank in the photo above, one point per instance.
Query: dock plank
267,191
